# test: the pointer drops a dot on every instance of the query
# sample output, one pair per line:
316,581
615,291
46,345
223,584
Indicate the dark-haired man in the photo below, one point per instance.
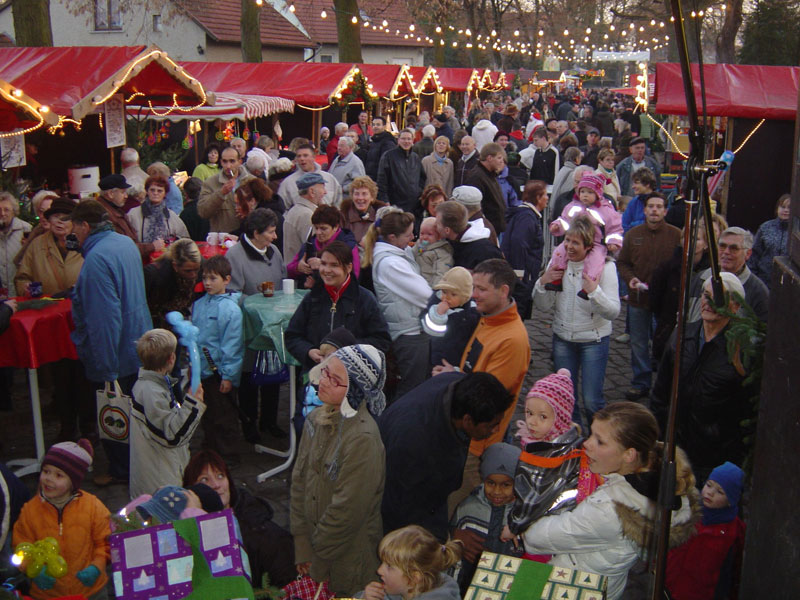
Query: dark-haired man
382,141
644,248
499,345
217,201
426,434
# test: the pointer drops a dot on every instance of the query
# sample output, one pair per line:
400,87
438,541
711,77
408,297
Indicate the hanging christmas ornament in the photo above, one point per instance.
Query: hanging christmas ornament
246,134
220,136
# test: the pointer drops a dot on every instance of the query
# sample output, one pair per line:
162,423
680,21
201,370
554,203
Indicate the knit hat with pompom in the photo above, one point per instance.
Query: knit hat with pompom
72,458
558,392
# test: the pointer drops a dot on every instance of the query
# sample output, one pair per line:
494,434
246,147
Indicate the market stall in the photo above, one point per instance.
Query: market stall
76,81
752,108
459,82
19,113
394,86
429,89
313,87
70,84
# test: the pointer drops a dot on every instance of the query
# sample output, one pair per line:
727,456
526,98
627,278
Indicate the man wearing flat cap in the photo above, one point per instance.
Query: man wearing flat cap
297,222
110,312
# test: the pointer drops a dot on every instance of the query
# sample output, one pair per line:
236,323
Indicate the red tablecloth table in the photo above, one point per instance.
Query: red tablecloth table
36,337
206,250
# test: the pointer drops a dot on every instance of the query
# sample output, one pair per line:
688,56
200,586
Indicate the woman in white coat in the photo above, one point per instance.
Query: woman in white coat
401,291
612,529
581,327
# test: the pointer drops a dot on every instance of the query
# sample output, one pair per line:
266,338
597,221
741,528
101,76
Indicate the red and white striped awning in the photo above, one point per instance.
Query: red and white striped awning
229,106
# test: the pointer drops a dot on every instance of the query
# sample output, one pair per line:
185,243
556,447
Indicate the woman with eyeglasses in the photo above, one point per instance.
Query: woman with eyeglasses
337,481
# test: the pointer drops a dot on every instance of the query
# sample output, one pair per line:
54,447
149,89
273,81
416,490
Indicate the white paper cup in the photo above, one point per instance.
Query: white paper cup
213,238
288,286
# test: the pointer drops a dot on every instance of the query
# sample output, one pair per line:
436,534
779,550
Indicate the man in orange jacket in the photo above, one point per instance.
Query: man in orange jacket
500,346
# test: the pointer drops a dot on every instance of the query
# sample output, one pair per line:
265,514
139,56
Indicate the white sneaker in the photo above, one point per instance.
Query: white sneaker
624,338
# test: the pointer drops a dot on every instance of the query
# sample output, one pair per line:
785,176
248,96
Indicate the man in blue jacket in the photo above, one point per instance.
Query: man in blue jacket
110,312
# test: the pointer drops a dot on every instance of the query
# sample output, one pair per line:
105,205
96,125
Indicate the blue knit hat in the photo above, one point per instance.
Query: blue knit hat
731,479
366,375
166,505
500,458
366,371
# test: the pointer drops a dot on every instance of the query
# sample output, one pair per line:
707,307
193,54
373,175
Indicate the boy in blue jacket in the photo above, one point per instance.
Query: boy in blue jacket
219,318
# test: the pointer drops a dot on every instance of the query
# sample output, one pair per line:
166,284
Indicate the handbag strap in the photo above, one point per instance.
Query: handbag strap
117,390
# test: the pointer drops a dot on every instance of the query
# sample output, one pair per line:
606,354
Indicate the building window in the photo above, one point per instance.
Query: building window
107,15
326,58
157,23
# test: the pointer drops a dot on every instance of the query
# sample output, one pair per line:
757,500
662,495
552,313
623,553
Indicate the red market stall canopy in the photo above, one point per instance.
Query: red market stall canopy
309,85
19,113
76,80
743,91
427,80
457,79
389,81
454,79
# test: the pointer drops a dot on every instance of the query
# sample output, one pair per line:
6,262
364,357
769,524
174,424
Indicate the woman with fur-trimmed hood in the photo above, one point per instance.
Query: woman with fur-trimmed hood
613,527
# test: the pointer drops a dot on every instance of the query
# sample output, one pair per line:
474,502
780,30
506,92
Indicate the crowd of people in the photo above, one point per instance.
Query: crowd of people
422,255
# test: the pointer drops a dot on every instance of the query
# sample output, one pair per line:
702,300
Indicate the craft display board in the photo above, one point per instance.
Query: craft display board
500,577
192,558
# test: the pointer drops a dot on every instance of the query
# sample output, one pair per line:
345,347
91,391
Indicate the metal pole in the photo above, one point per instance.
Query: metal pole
697,171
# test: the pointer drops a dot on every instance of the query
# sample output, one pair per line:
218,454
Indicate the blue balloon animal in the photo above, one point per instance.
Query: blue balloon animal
187,336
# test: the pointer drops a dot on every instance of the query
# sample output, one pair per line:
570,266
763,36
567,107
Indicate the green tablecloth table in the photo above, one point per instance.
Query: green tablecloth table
264,322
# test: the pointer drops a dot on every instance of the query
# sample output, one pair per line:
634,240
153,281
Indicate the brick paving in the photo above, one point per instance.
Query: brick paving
16,429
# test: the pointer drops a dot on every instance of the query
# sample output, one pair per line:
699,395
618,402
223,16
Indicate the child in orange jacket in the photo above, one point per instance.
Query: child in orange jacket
76,519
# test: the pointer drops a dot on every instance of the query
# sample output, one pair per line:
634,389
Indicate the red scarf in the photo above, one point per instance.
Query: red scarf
335,293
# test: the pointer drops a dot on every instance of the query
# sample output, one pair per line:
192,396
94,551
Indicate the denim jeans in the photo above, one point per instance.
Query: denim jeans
589,359
641,330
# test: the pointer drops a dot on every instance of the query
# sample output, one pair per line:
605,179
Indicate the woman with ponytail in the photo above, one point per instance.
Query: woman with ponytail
413,565
401,291
613,527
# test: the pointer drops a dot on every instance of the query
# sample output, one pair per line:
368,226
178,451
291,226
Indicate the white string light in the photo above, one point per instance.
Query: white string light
516,42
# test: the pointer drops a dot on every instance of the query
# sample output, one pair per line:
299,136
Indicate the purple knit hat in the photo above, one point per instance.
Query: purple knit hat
594,182
74,459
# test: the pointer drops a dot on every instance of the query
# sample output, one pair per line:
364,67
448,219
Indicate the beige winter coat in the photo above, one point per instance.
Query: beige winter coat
435,261
440,173
336,522
43,262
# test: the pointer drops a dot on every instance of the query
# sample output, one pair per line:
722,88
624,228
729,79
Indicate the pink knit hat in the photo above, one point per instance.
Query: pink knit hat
74,459
594,182
558,392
